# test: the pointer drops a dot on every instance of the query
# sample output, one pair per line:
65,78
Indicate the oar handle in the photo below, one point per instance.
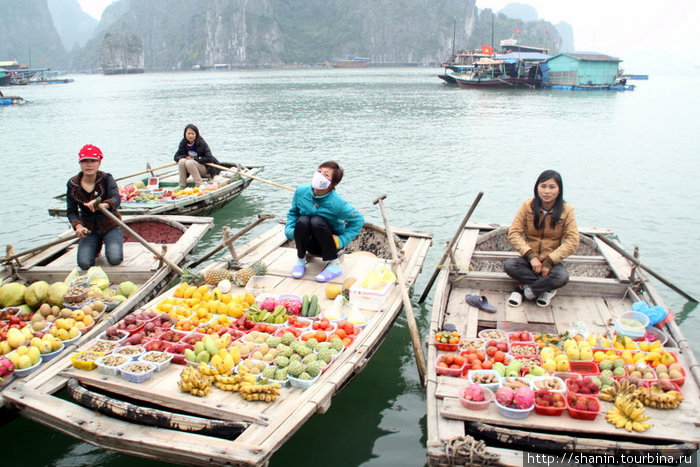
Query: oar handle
7,259
244,174
138,237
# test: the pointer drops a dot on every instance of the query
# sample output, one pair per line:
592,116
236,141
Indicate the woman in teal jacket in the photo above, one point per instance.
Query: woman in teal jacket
321,222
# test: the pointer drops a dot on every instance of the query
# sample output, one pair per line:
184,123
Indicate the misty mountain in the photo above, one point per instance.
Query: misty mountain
520,11
29,35
74,26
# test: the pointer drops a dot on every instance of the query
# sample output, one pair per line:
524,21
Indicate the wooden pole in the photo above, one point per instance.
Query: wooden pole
138,237
261,218
408,309
149,169
638,263
10,257
450,246
254,177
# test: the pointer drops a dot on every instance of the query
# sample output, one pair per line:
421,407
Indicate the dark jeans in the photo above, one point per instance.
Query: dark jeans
313,234
89,246
521,270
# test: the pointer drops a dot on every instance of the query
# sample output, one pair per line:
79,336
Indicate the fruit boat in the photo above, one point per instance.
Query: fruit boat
185,416
603,286
177,235
219,191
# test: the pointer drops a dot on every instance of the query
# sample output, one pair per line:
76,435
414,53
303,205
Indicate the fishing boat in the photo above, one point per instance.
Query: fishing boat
155,419
604,286
176,236
459,63
513,70
158,197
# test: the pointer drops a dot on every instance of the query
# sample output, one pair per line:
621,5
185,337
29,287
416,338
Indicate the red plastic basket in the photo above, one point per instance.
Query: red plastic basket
583,414
550,411
447,371
179,358
444,346
584,368
582,381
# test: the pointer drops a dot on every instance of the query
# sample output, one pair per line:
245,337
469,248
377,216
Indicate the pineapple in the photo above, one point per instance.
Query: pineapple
242,276
214,276
191,276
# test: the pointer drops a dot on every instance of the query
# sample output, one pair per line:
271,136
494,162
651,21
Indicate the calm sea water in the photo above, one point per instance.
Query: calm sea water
628,160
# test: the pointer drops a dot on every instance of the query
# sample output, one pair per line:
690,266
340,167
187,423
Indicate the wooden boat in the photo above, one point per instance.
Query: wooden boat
229,184
493,73
176,235
603,285
255,430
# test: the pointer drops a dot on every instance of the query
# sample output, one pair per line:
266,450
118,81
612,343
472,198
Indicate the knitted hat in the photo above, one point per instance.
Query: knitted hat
90,152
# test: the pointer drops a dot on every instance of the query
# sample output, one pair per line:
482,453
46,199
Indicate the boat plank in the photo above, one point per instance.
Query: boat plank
667,425
465,247
620,266
579,286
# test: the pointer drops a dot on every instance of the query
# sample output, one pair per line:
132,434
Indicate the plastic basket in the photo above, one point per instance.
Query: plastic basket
67,342
157,345
179,358
528,349
558,381
549,410
103,346
515,336
111,369
473,373
21,373
49,355
583,414
84,361
299,323
446,371
584,367
103,337
128,375
656,334
475,405
159,365
172,336
570,387
302,383
637,331
495,334
131,351
510,412
445,346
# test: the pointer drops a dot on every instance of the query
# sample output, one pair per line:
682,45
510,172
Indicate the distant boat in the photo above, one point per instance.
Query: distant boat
11,100
512,70
349,61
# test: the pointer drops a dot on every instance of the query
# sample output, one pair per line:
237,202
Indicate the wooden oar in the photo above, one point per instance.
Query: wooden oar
407,308
449,247
261,218
636,262
138,237
150,169
7,259
254,177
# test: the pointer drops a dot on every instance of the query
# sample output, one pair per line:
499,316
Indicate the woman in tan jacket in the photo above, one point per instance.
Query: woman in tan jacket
544,232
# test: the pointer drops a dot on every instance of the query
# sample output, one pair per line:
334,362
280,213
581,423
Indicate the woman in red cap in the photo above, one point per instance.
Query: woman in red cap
93,227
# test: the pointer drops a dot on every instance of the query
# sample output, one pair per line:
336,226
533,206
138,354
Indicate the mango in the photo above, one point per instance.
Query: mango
34,354
203,356
24,361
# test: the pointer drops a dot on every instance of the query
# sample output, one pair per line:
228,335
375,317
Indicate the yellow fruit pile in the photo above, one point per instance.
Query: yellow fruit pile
203,301
65,329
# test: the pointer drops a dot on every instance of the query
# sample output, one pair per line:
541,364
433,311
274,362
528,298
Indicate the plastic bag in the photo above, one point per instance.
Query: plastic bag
655,313
96,276
74,274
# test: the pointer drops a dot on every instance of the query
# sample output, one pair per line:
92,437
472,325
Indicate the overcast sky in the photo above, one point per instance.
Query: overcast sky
646,34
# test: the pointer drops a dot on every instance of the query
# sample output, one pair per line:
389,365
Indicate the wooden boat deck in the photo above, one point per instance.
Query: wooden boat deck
270,425
140,266
576,302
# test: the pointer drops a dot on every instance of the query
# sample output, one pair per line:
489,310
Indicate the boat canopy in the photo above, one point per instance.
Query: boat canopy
488,61
515,56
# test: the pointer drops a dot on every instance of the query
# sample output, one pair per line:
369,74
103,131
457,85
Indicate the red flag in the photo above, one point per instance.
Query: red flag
486,49
517,31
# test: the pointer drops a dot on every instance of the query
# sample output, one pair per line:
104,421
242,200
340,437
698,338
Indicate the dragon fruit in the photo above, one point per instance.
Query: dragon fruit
268,304
6,367
475,393
292,305
505,395
524,398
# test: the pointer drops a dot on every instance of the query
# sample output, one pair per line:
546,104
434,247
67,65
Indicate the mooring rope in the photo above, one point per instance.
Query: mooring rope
465,450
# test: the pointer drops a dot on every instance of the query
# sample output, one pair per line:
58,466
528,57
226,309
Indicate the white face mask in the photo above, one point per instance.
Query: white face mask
320,182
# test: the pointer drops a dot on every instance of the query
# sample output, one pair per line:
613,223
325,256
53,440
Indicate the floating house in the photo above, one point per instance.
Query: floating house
583,71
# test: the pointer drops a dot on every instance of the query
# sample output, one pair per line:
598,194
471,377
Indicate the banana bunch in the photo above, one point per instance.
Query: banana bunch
261,392
617,389
194,382
277,316
628,413
234,382
656,398
220,368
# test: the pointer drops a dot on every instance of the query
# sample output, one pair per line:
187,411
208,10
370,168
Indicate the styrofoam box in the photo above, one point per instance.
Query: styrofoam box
370,299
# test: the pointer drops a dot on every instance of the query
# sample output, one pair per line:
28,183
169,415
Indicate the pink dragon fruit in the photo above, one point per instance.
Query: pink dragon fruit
476,393
524,398
6,367
504,396
292,305
268,304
